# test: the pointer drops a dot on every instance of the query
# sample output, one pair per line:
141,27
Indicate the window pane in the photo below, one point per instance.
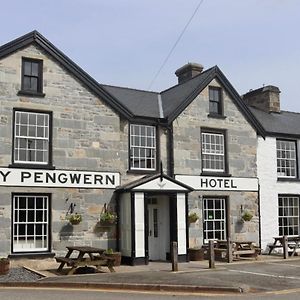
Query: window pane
213,155
142,147
27,68
31,141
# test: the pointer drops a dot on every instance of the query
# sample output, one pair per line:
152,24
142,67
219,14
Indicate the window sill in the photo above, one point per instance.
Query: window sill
216,174
31,166
31,94
32,254
141,171
288,179
216,116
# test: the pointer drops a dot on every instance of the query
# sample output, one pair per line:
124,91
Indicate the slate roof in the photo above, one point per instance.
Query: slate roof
283,123
140,103
137,104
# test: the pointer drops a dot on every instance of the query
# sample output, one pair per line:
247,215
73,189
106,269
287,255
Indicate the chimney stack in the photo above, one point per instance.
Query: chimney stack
266,98
188,71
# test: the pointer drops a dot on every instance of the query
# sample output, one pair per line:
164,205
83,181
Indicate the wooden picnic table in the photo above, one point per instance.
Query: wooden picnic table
239,248
96,257
293,242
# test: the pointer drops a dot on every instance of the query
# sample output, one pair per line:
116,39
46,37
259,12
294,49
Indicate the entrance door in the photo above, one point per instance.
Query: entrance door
153,233
158,228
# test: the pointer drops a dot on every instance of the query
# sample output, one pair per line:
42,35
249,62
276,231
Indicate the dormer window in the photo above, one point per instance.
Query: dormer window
32,77
215,101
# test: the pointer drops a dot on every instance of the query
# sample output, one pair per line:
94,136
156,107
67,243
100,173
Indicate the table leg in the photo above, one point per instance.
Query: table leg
59,269
294,251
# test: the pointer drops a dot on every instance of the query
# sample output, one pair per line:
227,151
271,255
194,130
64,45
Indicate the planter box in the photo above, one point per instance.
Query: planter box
196,254
117,256
4,266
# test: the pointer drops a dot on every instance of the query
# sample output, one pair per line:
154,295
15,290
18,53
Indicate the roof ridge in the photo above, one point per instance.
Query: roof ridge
290,112
178,84
128,88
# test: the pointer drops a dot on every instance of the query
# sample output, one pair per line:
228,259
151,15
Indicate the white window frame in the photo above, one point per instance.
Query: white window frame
288,215
212,151
142,147
31,137
210,216
286,158
30,230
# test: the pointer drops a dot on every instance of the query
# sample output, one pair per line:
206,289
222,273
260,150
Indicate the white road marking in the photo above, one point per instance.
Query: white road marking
289,265
265,274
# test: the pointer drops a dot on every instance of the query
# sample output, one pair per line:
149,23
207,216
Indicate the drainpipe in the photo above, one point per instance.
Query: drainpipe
170,148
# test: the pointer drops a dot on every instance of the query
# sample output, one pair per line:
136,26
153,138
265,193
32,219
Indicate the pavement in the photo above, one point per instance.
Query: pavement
268,273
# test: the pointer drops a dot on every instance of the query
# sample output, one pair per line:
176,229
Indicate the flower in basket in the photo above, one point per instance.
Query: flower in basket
108,217
74,219
247,216
193,217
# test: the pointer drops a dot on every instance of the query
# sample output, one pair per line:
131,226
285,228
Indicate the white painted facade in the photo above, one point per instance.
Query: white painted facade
270,188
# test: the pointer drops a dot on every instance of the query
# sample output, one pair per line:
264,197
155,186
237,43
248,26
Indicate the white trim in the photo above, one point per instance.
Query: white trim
160,185
181,223
139,233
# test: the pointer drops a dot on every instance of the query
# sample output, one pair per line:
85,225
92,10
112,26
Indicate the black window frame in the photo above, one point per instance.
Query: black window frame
39,90
286,229
288,178
29,164
157,150
223,132
49,217
220,111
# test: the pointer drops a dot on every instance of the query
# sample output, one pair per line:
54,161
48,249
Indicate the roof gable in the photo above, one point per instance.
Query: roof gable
157,182
68,64
177,98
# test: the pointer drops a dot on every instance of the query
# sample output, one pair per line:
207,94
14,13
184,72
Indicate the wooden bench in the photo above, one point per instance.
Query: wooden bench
98,262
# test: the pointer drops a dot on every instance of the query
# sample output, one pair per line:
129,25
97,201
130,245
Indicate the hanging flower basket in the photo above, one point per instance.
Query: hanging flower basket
4,265
74,219
193,218
247,216
108,218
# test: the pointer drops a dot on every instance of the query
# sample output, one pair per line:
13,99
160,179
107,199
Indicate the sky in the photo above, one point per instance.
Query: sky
124,42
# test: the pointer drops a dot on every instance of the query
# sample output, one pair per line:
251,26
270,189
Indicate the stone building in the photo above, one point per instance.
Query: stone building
277,165
69,145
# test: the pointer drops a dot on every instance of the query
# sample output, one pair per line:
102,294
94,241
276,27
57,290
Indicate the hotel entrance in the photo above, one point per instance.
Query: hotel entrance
152,214
158,223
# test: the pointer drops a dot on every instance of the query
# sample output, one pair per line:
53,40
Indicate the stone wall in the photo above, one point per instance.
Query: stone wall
241,156
87,135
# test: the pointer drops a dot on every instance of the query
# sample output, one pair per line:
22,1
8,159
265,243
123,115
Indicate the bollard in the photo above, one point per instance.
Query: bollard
229,251
211,252
285,247
174,256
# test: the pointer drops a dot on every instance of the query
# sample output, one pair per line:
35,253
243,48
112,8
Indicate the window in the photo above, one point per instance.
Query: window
288,215
30,223
32,81
142,147
213,152
215,101
31,137
214,210
286,158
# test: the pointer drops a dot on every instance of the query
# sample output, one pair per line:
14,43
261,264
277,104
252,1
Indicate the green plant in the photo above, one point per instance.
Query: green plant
193,217
109,251
74,219
108,217
247,216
